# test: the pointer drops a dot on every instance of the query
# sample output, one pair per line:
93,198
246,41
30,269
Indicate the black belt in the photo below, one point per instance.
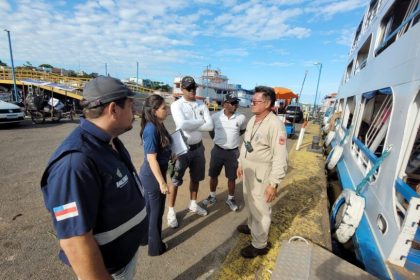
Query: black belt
224,148
195,146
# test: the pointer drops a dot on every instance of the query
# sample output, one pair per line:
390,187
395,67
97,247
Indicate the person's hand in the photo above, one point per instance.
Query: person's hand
163,188
239,172
270,193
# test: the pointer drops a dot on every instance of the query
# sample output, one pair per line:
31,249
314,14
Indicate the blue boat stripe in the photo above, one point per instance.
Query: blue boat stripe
108,236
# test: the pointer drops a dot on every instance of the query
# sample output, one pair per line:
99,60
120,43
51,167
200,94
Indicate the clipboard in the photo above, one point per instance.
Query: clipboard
179,143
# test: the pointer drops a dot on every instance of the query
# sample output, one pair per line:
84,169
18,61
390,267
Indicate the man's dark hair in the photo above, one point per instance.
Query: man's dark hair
96,112
268,93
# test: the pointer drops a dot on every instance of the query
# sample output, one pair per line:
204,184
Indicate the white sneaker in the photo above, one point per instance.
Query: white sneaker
198,210
232,204
172,221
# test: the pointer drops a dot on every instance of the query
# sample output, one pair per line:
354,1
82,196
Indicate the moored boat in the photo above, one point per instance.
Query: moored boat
375,141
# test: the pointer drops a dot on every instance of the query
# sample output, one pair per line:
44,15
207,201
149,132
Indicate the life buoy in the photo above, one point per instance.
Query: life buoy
334,156
329,138
346,214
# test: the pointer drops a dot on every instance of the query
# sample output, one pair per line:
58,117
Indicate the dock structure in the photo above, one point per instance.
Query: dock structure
300,210
69,87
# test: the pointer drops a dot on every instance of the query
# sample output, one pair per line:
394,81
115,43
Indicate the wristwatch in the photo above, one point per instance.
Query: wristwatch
274,185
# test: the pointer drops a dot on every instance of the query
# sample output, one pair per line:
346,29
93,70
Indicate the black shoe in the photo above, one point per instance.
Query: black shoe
244,229
250,251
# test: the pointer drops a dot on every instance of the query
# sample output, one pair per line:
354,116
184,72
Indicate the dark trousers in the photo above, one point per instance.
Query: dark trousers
155,206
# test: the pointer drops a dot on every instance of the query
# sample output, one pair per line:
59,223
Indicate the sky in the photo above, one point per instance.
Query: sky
256,42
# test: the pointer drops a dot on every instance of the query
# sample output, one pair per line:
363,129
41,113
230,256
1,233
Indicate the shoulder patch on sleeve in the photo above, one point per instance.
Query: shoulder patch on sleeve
66,211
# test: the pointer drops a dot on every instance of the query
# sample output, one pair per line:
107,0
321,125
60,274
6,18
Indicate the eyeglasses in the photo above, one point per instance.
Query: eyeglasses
254,102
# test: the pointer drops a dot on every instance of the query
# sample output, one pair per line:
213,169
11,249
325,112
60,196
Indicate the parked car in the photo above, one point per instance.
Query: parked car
294,113
10,113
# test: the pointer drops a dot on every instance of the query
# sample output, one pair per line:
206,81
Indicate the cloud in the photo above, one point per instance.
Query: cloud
232,52
328,8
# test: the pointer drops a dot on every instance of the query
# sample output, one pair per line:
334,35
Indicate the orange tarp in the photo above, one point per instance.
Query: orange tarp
284,93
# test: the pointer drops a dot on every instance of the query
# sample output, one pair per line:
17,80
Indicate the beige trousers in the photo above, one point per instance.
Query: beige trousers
255,180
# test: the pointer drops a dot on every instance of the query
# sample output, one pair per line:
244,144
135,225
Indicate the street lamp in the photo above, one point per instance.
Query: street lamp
317,85
15,92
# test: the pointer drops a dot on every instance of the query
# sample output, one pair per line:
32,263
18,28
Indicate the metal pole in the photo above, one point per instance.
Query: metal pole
137,81
106,69
317,85
15,92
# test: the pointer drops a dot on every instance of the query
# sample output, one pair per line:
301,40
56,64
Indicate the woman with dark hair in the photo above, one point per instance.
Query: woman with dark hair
157,152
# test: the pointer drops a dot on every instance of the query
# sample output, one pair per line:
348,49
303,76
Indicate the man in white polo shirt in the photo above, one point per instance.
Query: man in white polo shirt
192,117
228,127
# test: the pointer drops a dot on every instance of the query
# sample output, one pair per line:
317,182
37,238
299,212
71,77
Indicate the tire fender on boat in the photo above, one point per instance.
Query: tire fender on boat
334,156
346,214
329,138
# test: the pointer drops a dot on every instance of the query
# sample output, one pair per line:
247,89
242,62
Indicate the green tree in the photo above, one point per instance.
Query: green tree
45,66
2,63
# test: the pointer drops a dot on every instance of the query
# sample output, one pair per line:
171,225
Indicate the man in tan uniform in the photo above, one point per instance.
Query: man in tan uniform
262,164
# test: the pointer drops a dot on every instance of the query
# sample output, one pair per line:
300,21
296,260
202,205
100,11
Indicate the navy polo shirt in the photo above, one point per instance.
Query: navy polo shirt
151,145
89,186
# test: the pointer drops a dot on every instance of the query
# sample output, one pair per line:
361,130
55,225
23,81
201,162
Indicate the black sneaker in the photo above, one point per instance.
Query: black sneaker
250,252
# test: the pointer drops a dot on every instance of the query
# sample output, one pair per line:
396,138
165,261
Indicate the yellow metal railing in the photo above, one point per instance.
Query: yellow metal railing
75,82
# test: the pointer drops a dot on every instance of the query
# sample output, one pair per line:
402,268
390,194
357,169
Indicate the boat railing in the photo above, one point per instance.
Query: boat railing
377,130
365,157
401,29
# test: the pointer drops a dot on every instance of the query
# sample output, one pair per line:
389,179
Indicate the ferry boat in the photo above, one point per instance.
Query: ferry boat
375,142
212,86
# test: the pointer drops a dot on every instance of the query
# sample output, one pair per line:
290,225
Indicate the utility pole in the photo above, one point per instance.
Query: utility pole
15,92
106,70
137,77
301,88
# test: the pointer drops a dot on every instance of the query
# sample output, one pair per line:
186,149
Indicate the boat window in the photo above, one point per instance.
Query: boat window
349,112
348,72
376,112
356,36
400,17
362,56
373,9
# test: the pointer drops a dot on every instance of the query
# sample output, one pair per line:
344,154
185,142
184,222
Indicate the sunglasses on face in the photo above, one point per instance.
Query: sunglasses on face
234,103
191,88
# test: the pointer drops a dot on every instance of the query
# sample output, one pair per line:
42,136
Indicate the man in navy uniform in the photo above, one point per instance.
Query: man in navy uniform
91,189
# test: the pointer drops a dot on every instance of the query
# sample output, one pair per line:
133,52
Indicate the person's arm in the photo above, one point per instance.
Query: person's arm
180,120
208,122
154,165
85,257
279,162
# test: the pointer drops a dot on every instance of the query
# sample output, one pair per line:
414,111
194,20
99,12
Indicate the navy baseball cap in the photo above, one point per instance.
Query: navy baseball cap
102,90
188,82
231,97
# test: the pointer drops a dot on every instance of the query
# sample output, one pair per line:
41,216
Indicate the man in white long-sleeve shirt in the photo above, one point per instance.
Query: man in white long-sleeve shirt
192,117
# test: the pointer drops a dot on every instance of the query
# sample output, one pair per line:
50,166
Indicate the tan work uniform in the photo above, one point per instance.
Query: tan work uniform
265,165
